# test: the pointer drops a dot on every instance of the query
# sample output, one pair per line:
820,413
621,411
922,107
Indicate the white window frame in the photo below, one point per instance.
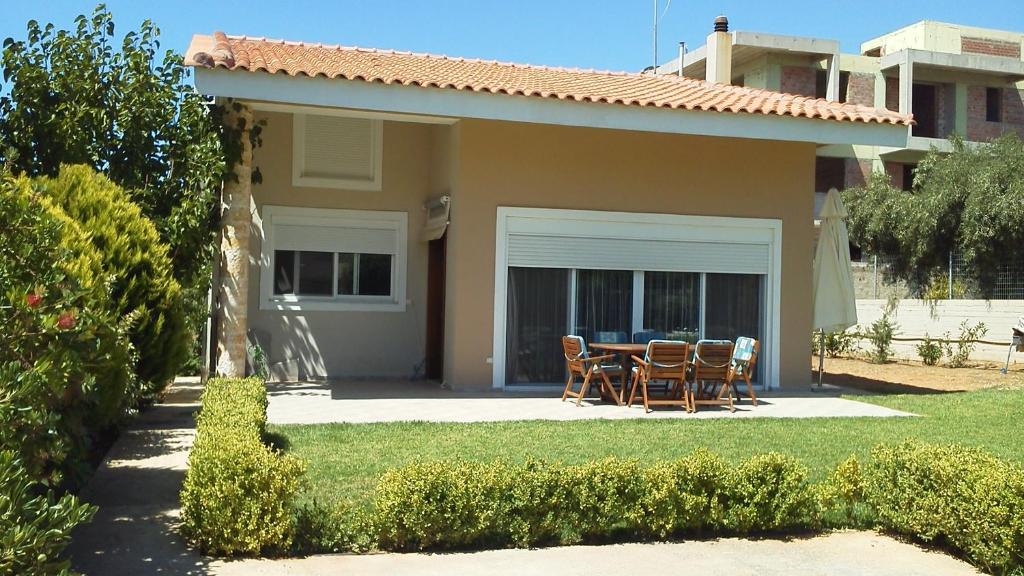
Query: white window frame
376,145
397,222
626,225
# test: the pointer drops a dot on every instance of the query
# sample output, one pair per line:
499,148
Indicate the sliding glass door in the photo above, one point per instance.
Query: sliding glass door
546,303
672,304
734,307
537,318
604,303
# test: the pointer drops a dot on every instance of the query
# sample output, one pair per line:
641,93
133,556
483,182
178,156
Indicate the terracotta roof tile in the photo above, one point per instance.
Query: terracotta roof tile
427,70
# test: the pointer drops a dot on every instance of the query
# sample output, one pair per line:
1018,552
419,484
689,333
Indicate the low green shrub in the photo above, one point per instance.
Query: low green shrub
965,344
687,496
951,495
35,526
841,343
460,504
450,504
769,493
841,497
930,351
881,333
331,528
239,494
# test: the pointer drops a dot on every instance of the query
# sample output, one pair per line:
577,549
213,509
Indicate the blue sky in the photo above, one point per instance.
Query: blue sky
597,34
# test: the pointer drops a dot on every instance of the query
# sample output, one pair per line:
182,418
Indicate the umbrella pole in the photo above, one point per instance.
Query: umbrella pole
821,360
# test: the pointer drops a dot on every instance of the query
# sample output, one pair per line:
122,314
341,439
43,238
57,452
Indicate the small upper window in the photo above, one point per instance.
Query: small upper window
994,104
337,152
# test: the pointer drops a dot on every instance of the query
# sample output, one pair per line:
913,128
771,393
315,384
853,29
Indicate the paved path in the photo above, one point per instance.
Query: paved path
365,402
136,489
839,554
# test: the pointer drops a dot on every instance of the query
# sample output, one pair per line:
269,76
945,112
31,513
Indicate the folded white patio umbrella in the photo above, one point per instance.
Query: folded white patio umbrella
835,307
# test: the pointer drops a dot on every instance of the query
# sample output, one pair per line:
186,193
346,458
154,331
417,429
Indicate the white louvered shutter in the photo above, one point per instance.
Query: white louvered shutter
339,148
550,251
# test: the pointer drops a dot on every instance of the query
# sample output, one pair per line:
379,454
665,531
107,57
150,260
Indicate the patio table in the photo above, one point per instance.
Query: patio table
624,351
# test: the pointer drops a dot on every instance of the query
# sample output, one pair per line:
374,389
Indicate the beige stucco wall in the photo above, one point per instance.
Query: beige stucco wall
523,165
343,343
484,165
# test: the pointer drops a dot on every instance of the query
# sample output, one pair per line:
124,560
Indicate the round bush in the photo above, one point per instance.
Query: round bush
142,285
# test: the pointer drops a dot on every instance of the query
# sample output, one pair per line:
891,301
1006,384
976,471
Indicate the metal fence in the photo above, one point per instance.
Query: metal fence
872,281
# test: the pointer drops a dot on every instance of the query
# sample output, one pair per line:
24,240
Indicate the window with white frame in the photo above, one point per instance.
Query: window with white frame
317,259
337,152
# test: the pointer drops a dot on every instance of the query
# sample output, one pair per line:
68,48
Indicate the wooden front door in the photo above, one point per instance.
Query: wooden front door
435,308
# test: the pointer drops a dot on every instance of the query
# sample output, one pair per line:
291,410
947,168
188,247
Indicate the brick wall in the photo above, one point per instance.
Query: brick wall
857,172
895,172
1013,108
798,80
979,129
829,173
861,89
988,47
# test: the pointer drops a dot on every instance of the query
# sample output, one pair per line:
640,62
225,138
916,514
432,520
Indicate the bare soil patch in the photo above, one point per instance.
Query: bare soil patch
909,377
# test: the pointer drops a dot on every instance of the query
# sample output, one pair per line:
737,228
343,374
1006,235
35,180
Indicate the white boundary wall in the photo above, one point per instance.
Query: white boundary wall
917,317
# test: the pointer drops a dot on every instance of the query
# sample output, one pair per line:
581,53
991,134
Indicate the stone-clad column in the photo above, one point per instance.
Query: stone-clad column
233,292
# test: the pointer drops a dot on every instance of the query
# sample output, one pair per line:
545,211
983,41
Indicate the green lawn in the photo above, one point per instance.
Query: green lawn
346,459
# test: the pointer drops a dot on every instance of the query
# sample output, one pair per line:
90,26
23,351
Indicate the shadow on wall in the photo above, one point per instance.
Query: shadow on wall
297,357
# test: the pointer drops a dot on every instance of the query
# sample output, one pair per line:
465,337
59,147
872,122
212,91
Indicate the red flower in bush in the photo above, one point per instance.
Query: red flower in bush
34,300
66,321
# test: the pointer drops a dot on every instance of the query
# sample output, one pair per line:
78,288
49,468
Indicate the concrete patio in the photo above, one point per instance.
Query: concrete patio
398,401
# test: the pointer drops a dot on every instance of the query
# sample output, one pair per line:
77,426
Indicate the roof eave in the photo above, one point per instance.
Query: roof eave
441,102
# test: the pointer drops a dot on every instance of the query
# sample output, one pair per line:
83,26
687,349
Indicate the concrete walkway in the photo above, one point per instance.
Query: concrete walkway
390,401
136,488
838,554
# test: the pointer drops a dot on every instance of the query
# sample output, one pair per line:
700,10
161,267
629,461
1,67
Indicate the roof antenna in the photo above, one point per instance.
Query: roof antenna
654,69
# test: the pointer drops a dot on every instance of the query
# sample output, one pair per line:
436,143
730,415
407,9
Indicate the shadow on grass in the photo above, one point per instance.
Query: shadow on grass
276,441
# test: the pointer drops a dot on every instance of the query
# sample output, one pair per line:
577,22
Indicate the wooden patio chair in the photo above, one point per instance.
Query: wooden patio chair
744,360
664,360
712,360
579,362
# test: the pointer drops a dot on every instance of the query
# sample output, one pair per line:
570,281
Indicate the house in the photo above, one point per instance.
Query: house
428,216
953,79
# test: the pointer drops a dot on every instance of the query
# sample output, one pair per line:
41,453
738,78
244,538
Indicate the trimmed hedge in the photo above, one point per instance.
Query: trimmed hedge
951,495
239,494
460,504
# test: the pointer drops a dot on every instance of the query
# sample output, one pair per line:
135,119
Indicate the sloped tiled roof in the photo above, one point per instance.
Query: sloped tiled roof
426,70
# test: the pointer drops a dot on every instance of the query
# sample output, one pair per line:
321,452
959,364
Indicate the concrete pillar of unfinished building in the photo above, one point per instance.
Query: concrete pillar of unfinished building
234,252
832,73
906,83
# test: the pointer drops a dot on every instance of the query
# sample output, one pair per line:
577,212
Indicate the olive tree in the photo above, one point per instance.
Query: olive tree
969,200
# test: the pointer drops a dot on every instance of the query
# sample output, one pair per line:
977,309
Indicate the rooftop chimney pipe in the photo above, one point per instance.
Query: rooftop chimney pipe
718,64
